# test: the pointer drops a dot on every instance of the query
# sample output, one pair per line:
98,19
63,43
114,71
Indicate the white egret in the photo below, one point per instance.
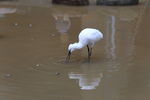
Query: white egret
87,37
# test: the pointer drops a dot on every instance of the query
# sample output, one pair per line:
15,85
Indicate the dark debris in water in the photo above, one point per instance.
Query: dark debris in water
52,35
7,75
36,67
30,25
57,73
16,24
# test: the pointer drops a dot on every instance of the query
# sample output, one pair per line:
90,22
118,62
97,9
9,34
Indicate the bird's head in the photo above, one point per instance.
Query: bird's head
71,48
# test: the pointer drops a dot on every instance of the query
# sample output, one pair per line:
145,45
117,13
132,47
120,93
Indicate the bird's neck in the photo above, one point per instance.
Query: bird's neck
79,45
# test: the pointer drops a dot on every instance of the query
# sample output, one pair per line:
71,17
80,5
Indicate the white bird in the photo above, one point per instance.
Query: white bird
87,37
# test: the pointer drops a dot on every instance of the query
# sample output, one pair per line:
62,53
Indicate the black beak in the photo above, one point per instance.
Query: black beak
68,56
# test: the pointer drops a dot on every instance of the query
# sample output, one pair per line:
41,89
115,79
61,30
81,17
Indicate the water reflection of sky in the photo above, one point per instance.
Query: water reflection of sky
62,23
62,17
4,11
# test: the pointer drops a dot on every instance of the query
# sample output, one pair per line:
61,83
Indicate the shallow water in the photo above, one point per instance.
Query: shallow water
33,47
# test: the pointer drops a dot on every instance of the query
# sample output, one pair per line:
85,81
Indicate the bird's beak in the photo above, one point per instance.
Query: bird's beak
68,56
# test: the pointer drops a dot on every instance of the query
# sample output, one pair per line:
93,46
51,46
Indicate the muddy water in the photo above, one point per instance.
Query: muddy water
33,47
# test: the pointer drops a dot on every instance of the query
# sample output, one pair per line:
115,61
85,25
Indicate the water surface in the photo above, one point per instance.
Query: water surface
33,47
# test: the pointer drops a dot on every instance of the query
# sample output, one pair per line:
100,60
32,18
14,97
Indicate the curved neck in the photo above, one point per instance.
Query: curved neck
79,45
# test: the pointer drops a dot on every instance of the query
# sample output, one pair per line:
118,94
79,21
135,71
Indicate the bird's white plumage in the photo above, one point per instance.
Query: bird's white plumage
88,36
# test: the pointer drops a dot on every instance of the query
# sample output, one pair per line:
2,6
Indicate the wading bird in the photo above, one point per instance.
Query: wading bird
87,37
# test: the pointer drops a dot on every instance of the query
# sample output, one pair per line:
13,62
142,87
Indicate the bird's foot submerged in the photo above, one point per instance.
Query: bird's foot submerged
68,57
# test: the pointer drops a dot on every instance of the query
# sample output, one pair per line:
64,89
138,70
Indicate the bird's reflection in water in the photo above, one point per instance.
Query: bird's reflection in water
87,82
89,78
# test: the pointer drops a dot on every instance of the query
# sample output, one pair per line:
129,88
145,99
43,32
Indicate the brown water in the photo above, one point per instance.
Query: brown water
33,47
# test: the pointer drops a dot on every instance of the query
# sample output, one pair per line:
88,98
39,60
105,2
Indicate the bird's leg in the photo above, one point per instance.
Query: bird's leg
68,56
89,52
